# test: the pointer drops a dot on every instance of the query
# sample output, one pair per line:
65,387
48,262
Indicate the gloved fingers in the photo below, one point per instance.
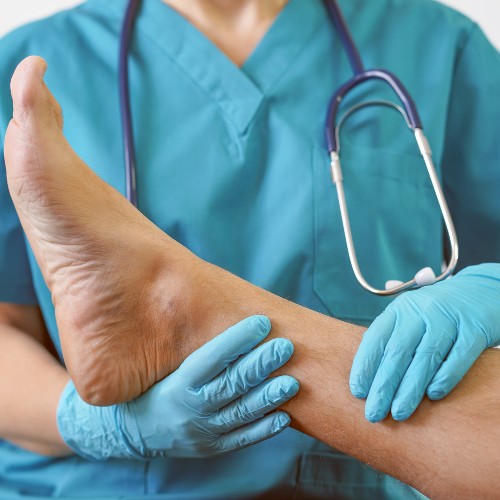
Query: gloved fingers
429,356
254,433
370,353
247,372
259,401
462,356
215,356
398,354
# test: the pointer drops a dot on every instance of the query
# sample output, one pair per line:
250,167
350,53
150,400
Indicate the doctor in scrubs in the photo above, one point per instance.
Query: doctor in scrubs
229,101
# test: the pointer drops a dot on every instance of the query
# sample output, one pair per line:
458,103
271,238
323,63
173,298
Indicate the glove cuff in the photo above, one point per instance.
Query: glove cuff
92,432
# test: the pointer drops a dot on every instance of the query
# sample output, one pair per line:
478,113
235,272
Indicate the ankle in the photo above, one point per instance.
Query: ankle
198,301
175,301
142,335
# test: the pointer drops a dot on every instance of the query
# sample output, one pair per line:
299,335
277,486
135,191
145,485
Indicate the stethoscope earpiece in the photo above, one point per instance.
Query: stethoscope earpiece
390,284
425,277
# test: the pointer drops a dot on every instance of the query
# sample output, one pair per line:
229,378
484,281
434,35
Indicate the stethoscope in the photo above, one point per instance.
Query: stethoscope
333,126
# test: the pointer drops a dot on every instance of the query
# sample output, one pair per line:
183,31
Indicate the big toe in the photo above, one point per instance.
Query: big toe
35,131
34,105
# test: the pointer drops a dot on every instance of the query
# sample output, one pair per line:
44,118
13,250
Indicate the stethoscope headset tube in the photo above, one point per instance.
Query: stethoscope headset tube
409,111
125,108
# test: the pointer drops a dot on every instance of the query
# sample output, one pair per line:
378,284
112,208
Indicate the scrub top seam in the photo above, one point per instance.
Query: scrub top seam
298,54
269,91
241,130
199,87
474,27
264,93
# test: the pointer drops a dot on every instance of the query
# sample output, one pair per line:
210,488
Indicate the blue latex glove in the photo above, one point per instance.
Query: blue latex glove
426,341
215,402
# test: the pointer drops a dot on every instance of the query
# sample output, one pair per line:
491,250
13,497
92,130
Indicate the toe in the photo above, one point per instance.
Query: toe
33,104
34,133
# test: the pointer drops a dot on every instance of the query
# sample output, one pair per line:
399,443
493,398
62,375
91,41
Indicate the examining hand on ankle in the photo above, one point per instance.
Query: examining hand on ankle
217,401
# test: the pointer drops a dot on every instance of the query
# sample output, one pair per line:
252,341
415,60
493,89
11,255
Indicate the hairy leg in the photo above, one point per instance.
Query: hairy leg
447,449
129,313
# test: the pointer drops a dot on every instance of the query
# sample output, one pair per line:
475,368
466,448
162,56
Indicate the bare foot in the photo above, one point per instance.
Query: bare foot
100,257
131,303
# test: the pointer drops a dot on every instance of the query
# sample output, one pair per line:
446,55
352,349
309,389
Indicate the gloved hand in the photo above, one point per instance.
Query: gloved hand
400,358
213,403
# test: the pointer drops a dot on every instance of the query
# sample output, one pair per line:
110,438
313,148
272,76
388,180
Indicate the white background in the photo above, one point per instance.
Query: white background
16,12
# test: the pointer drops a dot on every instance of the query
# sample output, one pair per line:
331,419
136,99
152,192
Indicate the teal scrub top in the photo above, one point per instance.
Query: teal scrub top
232,164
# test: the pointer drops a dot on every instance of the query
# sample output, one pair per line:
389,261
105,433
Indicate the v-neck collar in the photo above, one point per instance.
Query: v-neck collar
288,35
238,92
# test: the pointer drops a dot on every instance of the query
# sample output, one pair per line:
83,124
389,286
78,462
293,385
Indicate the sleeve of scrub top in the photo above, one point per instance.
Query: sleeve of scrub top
471,161
16,285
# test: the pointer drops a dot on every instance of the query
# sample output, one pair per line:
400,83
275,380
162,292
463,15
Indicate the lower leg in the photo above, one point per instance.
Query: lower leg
446,449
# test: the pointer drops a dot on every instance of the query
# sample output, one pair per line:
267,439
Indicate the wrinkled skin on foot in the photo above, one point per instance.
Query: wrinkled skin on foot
102,260
131,303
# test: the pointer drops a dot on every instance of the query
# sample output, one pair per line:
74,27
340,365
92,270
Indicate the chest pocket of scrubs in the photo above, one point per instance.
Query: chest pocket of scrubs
395,221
